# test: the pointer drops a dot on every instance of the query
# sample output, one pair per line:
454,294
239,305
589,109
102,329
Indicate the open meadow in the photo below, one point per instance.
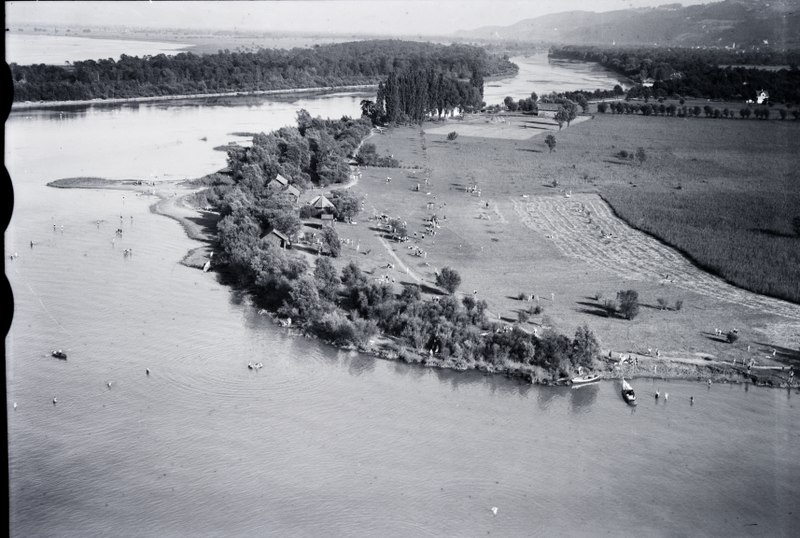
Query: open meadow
520,242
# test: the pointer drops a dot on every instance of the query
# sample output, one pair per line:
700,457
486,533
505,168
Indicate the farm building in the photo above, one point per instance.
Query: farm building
547,110
277,238
279,182
762,97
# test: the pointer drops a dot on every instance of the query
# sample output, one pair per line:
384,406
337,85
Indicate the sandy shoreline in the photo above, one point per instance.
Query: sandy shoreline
198,224
30,105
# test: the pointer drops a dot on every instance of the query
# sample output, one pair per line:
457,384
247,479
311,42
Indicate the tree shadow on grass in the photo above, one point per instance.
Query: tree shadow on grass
785,353
530,150
715,337
772,233
424,288
593,312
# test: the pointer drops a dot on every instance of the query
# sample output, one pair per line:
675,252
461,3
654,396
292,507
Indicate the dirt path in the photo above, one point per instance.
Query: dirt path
583,226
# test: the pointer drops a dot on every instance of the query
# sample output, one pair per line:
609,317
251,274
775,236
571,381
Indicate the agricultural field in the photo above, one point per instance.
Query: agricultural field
514,235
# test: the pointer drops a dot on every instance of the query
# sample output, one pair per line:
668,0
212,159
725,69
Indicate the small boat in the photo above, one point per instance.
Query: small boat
583,379
250,366
59,355
627,392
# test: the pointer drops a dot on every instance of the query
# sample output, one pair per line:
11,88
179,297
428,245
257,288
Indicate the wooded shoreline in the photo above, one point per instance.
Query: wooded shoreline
122,100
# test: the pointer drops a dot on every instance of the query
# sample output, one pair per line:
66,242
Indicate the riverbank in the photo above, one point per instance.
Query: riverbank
29,105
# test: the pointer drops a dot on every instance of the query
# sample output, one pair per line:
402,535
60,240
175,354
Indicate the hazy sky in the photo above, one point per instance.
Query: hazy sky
389,17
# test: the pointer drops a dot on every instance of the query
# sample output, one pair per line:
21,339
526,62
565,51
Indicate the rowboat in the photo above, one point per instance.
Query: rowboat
583,379
627,393
59,354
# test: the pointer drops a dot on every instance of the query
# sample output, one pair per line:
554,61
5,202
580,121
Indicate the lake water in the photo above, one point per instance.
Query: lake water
319,442
26,49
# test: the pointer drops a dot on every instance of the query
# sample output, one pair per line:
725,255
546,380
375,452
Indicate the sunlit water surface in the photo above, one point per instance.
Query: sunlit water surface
319,442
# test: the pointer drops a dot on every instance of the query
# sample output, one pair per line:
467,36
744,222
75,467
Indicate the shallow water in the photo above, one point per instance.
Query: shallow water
318,442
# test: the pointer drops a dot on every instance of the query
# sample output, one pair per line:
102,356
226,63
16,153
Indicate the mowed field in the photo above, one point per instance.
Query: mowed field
507,230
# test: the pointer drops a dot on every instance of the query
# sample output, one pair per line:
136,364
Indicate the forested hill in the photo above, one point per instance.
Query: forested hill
745,23
361,62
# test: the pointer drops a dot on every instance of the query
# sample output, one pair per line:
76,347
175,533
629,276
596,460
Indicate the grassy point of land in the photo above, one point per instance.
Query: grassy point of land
518,235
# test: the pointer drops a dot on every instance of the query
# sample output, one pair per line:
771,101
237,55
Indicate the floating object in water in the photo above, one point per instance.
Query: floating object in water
691,400
55,401
666,396
657,395
627,393
494,510
250,366
15,405
109,384
59,354
147,371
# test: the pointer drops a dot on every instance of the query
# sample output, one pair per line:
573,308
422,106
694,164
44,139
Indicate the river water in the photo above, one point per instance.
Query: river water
319,442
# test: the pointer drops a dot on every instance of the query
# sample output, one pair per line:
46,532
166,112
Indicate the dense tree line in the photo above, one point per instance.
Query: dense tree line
696,111
361,62
425,90
690,72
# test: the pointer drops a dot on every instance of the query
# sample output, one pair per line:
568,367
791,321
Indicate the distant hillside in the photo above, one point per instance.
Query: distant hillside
752,23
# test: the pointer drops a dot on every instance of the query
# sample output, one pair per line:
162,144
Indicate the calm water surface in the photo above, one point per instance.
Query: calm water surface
26,49
319,442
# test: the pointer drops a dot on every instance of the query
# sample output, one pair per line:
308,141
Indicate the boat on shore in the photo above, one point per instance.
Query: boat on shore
627,393
584,379
59,354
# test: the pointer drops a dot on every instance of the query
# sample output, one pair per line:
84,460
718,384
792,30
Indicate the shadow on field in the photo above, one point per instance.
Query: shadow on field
609,161
592,308
782,352
771,233
424,288
715,337
530,150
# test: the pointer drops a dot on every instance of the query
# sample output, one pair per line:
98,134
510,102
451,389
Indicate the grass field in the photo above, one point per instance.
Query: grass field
565,244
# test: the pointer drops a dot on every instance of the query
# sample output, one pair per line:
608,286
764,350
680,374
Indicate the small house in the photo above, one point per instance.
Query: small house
294,191
547,110
279,182
277,238
762,97
327,219
648,82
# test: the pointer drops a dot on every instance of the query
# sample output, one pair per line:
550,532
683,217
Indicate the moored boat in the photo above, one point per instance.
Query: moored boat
583,379
627,392
59,354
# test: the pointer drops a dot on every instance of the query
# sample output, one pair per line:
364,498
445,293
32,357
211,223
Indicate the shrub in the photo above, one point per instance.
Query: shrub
623,154
521,296
641,156
550,140
331,240
598,296
610,306
628,303
523,316
452,135
585,347
662,303
678,304
448,279
307,212
732,337
538,309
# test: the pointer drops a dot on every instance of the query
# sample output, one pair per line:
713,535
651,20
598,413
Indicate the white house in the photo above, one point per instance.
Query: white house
762,96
